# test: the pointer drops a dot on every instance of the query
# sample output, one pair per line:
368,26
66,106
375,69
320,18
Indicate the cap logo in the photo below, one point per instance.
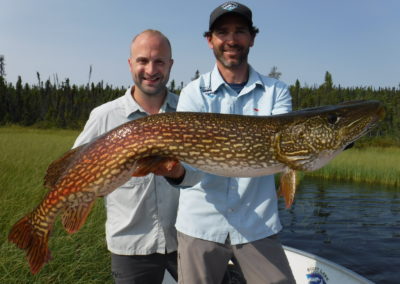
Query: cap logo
229,6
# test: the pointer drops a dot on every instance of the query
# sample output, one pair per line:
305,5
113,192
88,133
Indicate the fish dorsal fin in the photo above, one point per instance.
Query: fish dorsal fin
76,212
57,167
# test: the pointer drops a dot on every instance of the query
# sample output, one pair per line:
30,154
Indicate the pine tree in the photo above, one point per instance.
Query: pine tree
3,99
296,95
196,75
328,84
2,67
275,73
172,86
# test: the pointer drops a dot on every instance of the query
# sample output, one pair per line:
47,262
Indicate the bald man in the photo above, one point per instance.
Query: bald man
141,214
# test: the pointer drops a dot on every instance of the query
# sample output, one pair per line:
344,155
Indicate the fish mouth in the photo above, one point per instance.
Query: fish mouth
379,115
374,121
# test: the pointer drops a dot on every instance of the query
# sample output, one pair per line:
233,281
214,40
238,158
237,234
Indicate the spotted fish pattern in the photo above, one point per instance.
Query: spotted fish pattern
221,144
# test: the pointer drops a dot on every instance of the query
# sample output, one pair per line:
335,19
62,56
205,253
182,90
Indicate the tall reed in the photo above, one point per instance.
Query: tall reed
370,165
78,258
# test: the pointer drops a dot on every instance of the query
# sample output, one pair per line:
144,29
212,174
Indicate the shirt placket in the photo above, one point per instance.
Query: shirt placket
161,242
232,209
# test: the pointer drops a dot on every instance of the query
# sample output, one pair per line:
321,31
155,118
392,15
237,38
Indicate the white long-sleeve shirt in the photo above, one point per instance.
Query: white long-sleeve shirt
140,214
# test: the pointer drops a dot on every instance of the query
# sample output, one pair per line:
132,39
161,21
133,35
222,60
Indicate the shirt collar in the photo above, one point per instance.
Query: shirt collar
216,79
170,103
252,82
131,106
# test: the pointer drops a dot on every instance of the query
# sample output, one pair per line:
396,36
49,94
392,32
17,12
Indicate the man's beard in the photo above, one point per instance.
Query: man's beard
229,63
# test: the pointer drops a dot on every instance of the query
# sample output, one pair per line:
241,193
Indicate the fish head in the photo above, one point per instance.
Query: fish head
314,136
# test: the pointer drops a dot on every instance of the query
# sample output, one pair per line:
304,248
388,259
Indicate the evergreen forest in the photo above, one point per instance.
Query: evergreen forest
48,104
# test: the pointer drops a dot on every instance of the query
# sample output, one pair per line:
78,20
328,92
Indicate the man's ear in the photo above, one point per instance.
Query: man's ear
252,41
129,63
209,42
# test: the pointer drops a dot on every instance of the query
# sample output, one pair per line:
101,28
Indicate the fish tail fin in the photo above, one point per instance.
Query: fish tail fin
26,237
287,188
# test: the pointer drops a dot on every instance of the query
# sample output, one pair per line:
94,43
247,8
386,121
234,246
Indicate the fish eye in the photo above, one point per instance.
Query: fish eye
332,118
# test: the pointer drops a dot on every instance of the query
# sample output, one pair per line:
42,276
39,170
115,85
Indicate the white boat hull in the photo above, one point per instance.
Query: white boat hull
308,268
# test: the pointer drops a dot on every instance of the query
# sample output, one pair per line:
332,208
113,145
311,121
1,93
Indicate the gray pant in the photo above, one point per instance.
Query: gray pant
205,262
141,269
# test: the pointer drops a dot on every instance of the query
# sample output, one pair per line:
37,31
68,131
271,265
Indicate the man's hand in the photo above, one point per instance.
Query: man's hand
170,169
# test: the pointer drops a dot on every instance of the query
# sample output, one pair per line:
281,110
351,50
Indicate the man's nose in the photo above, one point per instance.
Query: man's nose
151,68
230,37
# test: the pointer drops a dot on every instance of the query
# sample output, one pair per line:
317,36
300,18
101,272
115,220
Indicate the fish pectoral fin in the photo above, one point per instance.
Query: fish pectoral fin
151,164
57,167
75,215
287,188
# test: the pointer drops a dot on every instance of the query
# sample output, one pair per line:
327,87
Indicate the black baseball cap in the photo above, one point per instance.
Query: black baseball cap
231,7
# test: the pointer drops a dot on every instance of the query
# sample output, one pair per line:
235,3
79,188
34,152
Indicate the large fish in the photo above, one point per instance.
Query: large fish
221,144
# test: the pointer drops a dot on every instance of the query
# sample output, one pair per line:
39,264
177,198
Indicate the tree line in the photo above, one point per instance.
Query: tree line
49,103
328,94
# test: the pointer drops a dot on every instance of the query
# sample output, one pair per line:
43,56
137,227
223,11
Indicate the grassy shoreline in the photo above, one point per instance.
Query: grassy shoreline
372,165
81,258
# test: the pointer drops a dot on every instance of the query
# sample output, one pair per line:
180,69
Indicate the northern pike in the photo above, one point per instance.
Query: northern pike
221,144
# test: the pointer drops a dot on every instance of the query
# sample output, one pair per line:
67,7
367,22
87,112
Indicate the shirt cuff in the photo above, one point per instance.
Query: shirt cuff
191,177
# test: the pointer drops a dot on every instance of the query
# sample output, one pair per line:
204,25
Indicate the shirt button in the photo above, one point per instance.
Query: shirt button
230,210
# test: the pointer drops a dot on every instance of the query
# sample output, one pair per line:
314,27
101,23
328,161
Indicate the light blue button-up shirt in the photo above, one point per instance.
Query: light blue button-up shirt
212,207
141,214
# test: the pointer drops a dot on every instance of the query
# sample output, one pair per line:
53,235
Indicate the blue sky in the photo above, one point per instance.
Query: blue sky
357,41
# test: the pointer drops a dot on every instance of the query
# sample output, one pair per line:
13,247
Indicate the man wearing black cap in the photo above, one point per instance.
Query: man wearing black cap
220,217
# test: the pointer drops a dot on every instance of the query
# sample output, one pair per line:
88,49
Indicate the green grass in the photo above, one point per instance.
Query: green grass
369,165
79,258
25,154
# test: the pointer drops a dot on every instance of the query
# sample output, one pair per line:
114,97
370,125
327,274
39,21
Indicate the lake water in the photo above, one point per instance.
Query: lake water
354,225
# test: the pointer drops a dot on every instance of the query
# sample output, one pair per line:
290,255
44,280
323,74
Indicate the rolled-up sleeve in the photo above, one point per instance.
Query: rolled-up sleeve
283,100
90,131
192,176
